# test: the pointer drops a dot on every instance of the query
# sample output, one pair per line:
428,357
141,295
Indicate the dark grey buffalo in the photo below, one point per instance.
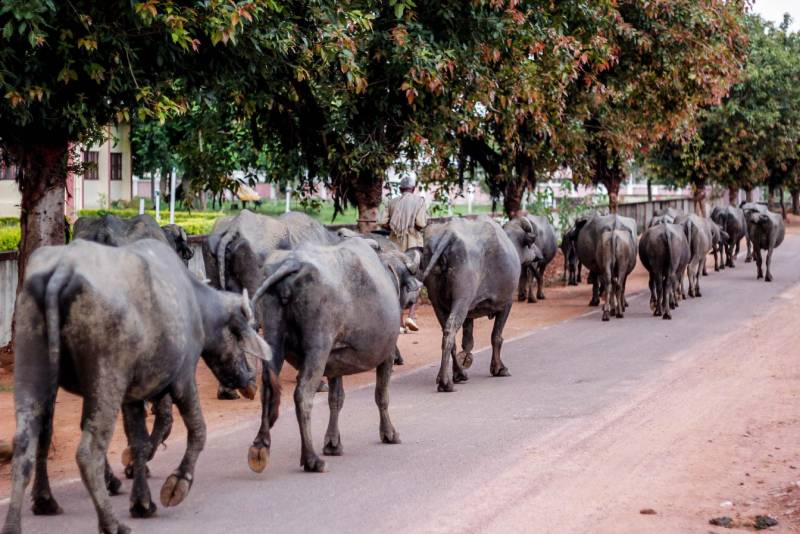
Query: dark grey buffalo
766,232
572,266
730,220
523,236
118,345
748,208
547,245
698,236
718,239
115,231
616,257
471,270
238,246
664,251
590,245
331,311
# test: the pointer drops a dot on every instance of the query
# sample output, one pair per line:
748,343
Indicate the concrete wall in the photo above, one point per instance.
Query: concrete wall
8,293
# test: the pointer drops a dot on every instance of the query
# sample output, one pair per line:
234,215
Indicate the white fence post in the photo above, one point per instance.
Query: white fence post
172,197
288,199
141,206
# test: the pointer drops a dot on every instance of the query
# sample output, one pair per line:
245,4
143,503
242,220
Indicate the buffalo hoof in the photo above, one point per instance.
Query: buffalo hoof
605,316
113,485
656,313
398,360
119,528
521,297
258,458
759,276
620,314
541,296
748,260
460,377
227,394
503,371
532,300
667,317
313,464
143,510
175,489
391,436
333,450
323,387
464,359
445,387
46,506
594,302
698,294
705,273
768,278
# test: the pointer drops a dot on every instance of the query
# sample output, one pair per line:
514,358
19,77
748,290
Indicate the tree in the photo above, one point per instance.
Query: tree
672,58
69,68
752,137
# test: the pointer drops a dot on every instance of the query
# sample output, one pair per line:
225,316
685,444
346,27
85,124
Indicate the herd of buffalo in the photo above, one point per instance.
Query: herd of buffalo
116,317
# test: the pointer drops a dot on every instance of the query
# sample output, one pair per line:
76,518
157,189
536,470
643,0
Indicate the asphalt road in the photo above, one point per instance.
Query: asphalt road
454,444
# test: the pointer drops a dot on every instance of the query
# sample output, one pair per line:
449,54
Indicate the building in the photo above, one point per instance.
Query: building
106,176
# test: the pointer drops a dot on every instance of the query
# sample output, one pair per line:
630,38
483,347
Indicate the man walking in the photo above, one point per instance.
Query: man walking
405,217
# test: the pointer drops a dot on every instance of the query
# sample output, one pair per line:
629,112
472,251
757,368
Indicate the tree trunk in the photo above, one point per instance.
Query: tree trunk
733,195
796,202
699,197
42,187
367,192
649,190
607,171
770,197
783,204
512,197
748,195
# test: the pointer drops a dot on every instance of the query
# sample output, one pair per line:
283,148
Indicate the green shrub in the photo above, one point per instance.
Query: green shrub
9,237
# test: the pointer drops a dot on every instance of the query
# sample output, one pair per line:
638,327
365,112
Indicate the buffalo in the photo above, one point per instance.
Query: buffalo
115,231
664,251
547,245
766,231
471,270
330,311
698,236
748,208
730,220
118,326
589,230
523,236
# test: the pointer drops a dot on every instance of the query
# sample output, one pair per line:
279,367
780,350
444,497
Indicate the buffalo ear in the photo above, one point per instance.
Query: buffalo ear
254,345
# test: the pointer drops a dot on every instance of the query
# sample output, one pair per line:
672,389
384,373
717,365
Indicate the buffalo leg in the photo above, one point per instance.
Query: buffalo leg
467,343
31,411
333,439
162,427
667,295
497,367
701,269
749,256
43,501
310,375
768,276
97,426
522,286
757,256
539,270
178,484
135,421
450,327
594,279
398,358
387,430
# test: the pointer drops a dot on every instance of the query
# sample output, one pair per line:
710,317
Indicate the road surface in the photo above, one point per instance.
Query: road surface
523,453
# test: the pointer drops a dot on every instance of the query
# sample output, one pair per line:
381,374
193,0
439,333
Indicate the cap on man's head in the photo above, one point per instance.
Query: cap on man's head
408,182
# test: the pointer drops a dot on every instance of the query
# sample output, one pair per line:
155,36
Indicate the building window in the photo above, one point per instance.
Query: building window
90,160
116,166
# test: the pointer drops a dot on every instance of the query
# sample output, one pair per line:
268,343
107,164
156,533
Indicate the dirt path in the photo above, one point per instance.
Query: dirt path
720,428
